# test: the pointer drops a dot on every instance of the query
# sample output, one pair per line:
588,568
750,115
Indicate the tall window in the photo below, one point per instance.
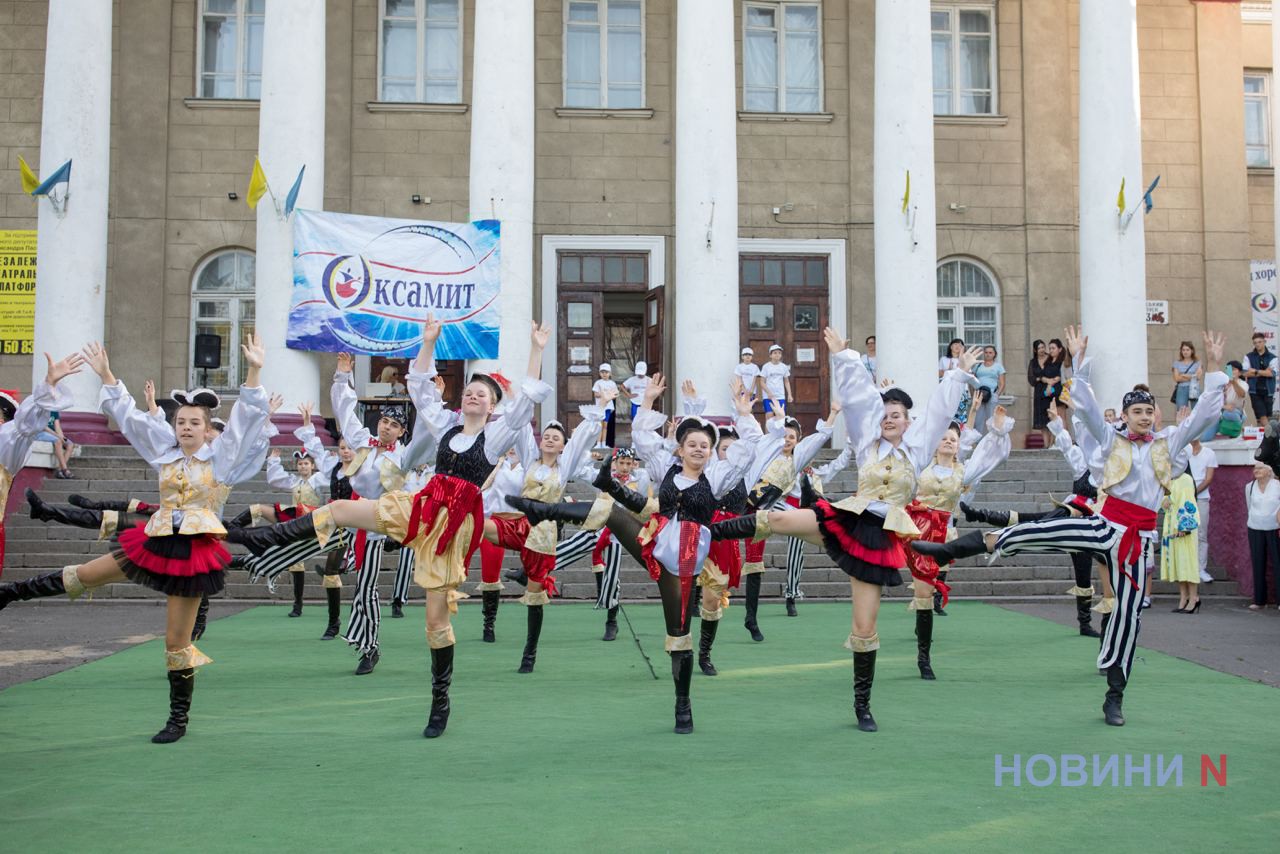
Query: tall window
229,45
420,51
222,305
1257,118
604,54
782,58
968,305
964,60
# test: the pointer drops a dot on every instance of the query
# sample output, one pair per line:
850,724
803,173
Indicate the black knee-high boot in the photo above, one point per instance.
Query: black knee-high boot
987,516
706,638
1116,681
89,504
441,678
753,606
611,624
864,673
967,545
937,595
531,640
299,582
181,684
258,540
1085,618
42,511
49,584
628,498
333,595
574,512
242,520
737,528
924,641
202,618
682,675
489,609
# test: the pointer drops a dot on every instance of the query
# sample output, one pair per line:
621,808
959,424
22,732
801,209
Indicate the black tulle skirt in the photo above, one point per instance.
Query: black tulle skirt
860,545
177,565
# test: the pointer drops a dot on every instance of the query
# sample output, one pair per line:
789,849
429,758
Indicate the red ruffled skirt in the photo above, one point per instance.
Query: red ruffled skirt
512,534
860,545
727,554
933,525
176,565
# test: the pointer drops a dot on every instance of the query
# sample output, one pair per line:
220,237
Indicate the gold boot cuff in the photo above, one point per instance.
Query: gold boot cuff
331,582
752,568
711,616
181,659
921,604
71,582
489,585
110,524
532,598
598,515
1106,605
763,529
440,639
322,518
1081,591
684,643
857,644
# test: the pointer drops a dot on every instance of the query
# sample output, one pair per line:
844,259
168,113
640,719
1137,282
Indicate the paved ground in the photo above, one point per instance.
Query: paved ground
41,638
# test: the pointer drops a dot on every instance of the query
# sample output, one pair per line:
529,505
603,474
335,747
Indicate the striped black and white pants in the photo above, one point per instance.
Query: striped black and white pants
277,559
366,619
575,547
404,574
795,566
1100,539
582,544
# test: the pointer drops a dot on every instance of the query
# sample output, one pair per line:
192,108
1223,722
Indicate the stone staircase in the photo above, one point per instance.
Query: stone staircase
1024,483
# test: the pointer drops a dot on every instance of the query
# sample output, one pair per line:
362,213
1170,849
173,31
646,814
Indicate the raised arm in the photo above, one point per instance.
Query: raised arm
580,440
306,434
646,432
856,391
752,451
991,451
32,414
342,396
837,465
236,445
1087,411
1062,441
924,434
807,448
277,476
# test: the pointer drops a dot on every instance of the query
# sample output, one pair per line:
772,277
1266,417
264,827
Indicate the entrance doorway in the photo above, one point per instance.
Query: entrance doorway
784,302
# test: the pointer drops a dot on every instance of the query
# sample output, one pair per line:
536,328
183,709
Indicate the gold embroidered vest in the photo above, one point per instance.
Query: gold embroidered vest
542,537
191,488
891,480
941,493
305,493
1120,461
780,473
389,474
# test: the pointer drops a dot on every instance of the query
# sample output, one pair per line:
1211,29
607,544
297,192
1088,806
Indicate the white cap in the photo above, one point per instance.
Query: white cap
642,368
605,366
747,351
777,347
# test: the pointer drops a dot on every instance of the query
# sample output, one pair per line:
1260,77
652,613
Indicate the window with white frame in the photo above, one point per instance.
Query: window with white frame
782,57
604,54
1257,118
420,51
222,292
229,49
968,305
964,59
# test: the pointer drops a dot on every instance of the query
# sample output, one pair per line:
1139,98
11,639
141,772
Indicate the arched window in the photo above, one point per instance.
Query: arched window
222,292
968,304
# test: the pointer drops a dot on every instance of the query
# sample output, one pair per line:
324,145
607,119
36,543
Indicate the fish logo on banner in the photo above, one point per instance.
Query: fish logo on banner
365,284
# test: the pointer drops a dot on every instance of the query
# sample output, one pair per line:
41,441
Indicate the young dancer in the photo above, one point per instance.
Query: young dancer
549,465
443,523
865,534
1139,465
675,540
178,550
507,478
305,487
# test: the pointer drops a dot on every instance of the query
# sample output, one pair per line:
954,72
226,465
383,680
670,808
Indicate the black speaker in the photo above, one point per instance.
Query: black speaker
208,351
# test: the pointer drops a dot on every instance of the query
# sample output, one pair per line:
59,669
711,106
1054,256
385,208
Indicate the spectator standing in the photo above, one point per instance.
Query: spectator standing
605,390
775,377
956,349
1044,374
991,376
869,356
1188,373
1202,464
1178,542
748,371
635,386
1262,496
1259,370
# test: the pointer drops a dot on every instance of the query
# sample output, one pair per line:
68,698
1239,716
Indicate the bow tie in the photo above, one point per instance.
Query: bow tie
1135,437
385,446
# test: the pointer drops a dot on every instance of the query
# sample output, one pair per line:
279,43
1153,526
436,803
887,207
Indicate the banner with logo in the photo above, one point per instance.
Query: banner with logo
17,292
1262,277
364,284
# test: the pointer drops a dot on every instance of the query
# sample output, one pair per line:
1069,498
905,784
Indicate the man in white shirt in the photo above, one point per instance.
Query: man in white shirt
1202,462
601,390
635,386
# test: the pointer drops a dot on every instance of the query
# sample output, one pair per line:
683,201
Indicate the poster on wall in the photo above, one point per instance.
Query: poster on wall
364,285
1262,278
17,292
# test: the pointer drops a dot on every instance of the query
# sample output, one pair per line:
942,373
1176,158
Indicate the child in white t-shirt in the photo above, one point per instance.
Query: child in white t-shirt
635,386
603,385
748,371
775,377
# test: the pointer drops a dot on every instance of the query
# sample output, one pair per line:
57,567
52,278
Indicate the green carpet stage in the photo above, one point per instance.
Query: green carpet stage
288,751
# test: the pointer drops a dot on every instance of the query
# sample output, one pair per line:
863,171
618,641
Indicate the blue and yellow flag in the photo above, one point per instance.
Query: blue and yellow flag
1146,197
906,195
62,175
257,184
1120,205
292,198
29,179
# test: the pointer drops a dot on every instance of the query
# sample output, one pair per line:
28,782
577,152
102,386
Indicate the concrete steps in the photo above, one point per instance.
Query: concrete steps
1024,483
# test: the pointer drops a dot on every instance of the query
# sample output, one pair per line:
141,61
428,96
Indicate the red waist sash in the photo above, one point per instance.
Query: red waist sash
1134,519
461,498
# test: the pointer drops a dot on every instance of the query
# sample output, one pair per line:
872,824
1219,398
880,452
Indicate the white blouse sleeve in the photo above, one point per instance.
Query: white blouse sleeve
236,445
839,464
922,437
580,441
1073,455
17,434
807,448
427,404
1088,413
137,427
694,405
325,459
1208,410
860,401
277,477
649,444
500,434
257,456
751,450
992,450
343,399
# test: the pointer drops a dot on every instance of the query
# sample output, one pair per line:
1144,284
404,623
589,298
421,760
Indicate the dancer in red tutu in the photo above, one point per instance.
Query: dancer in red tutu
178,551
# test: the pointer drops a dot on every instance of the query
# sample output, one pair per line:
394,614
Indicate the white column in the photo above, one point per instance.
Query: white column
906,248
706,246
71,254
502,147
1113,288
290,134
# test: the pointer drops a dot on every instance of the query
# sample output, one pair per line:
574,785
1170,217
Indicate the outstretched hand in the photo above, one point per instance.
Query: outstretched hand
656,387
742,399
836,343
255,354
1001,415
305,410
346,363
1077,343
274,403
688,389
95,356
969,358
541,335
63,367
149,393
431,331
1214,342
